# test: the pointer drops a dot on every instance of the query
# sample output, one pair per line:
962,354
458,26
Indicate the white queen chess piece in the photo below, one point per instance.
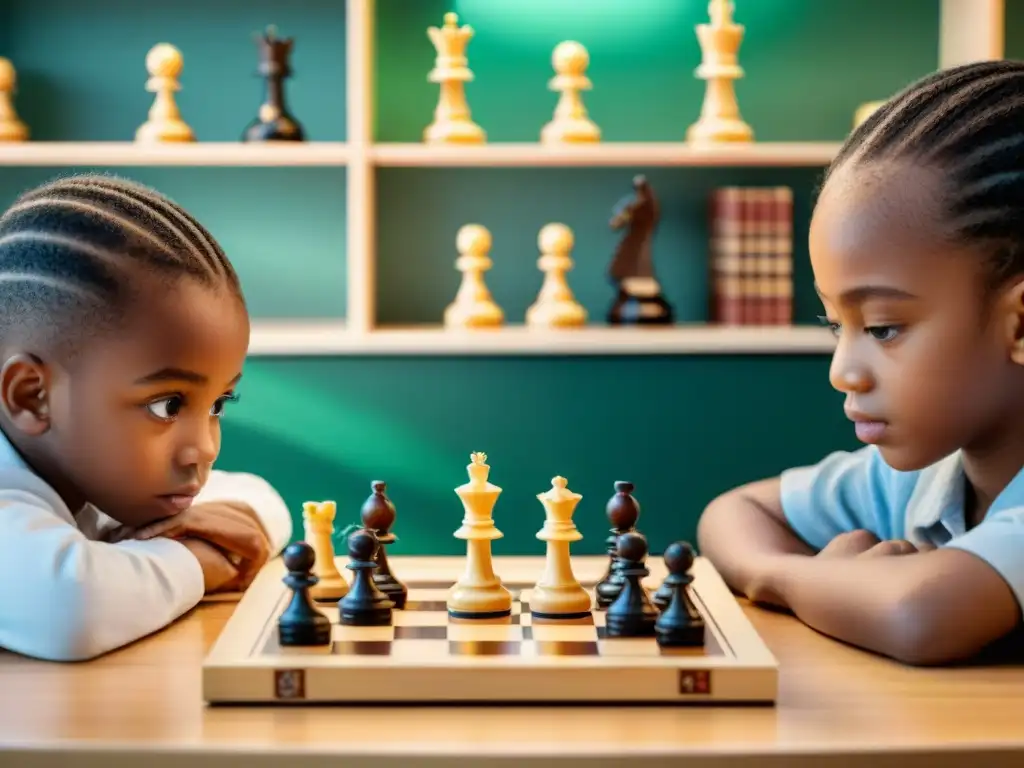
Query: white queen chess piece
557,594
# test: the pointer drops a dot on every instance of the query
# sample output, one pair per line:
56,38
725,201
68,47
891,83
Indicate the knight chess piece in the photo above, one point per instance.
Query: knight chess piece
632,614
301,623
378,515
274,121
680,623
623,510
364,605
639,299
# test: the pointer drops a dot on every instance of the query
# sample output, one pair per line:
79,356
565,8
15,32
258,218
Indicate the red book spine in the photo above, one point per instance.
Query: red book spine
726,252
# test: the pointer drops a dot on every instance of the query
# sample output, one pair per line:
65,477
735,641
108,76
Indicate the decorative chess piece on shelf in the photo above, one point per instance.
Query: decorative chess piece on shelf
570,124
639,300
623,510
12,129
473,307
478,593
164,63
301,623
452,121
318,524
555,307
274,122
378,515
720,119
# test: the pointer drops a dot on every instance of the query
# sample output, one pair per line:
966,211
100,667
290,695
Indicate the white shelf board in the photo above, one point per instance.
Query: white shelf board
331,338
604,154
209,153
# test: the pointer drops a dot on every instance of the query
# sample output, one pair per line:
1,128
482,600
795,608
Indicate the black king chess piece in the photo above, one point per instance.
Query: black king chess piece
378,515
364,605
301,623
274,122
632,614
680,623
623,510
639,300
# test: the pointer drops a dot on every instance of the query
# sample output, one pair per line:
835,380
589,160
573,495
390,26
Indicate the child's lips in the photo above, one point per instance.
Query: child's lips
868,428
180,501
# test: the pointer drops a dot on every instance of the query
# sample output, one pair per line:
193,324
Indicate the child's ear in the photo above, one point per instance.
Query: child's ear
24,390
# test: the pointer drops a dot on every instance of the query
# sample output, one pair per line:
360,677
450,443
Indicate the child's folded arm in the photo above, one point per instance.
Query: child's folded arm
256,494
797,513
69,598
932,607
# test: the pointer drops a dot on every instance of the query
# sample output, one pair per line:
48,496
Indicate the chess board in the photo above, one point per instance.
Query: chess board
425,657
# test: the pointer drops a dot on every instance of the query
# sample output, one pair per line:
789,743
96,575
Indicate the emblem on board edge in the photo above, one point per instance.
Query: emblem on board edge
694,681
290,683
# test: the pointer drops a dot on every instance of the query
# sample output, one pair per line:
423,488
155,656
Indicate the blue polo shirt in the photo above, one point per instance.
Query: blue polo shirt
850,490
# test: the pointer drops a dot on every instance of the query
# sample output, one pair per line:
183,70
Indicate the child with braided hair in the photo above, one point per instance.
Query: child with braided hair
912,546
123,332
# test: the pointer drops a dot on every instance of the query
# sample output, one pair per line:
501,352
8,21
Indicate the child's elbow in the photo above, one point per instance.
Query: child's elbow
54,626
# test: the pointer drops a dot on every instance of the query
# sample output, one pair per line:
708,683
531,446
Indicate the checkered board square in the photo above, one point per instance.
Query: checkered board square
426,656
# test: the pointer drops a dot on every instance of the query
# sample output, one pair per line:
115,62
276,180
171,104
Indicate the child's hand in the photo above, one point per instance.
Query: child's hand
218,573
862,543
228,527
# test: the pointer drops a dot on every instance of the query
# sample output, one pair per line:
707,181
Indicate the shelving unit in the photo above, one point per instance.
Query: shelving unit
964,35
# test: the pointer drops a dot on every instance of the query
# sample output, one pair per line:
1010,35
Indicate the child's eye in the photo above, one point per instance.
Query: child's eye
167,408
883,332
218,407
834,327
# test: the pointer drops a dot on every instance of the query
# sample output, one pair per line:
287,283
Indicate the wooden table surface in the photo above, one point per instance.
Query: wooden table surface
142,707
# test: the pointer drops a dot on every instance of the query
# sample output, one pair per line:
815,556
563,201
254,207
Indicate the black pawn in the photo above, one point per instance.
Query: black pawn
680,624
301,623
378,515
364,605
623,511
631,614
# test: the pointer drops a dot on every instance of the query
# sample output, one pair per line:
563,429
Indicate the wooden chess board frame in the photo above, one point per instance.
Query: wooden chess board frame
736,667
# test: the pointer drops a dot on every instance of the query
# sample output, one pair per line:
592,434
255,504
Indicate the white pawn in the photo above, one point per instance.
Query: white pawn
473,307
555,307
164,64
557,593
570,123
11,128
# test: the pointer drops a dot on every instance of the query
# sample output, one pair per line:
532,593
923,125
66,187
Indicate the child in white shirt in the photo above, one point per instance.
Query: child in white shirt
123,333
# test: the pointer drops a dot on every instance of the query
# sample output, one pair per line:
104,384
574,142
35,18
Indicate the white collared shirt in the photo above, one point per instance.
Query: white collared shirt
67,595
857,490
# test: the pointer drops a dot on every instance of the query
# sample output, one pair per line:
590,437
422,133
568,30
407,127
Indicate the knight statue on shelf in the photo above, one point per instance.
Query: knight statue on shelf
639,300
274,122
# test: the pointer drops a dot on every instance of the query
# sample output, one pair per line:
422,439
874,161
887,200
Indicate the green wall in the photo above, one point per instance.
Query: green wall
683,428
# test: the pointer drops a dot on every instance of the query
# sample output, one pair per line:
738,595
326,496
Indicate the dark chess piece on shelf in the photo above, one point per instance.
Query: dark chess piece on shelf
632,614
623,511
680,623
274,122
301,623
378,515
364,605
639,299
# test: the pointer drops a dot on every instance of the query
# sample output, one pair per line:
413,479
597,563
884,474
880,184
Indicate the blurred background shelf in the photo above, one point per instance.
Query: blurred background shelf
211,153
607,154
331,338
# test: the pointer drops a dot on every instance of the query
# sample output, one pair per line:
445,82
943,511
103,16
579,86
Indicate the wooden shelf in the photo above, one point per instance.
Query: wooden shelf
331,338
194,153
604,154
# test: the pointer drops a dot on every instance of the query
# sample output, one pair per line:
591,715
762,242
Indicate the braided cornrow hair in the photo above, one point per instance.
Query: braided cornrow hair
968,121
69,249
